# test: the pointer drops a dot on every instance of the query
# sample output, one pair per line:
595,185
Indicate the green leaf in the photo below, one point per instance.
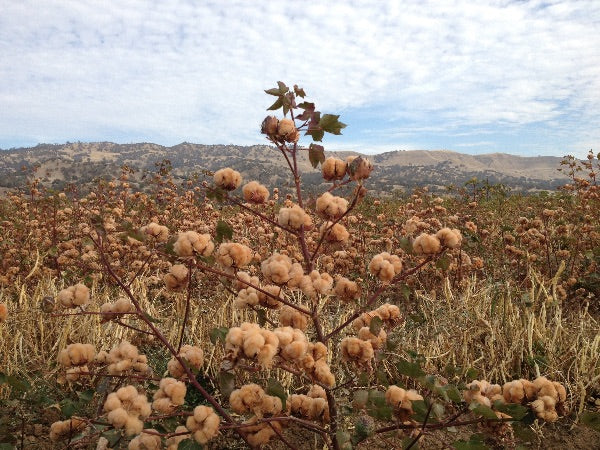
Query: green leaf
273,91
361,430
342,436
360,399
514,410
474,443
482,410
406,245
591,419
443,263
275,388
331,124
382,378
375,325
282,87
453,393
383,412
218,334
226,383
67,407
376,397
393,341
189,444
299,91
6,446
316,133
420,409
316,154
472,374
223,231
404,290
275,106
410,369
86,396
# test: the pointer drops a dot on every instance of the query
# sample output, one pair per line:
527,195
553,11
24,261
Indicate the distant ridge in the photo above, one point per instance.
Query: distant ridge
80,163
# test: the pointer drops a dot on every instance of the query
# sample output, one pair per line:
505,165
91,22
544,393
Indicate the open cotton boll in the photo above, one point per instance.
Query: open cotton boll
169,396
173,442
345,289
377,342
331,207
276,268
286,131
146,441
290,317
76,355
203,424
158,232
336,233
73,296
126,407
294,218
190,243
450,238
177,278
64,428
193,356
254,192
385,266
357,350
333,169
227,179
426,244
388,313
358,168
232,254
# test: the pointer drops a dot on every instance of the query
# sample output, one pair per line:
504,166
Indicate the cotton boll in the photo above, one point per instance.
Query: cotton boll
450,238
322,282
227,179
231,254
276,268
346,290
385,266
177,278
269,126
331,207
426,244
289,316
73,296
377,342
191,243
294,218
336,233
333,169
158,232
358,168
356,350
173,442
254,192
146,441
118,417
76,355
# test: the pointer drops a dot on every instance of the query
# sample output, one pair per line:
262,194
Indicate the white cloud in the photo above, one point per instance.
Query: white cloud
180,70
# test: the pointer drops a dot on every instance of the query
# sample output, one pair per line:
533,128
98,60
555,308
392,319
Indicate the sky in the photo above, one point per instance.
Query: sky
519,77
